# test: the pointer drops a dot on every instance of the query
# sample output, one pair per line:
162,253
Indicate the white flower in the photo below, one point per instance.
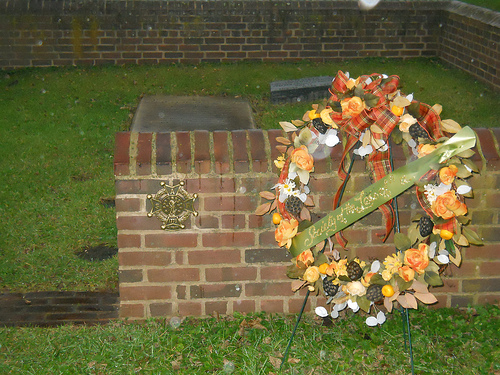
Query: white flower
373,321
353,305
286,189
433,191
363,151
321,311
298,194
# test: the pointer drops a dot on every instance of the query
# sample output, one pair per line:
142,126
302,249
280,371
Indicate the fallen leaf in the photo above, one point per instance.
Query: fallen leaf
293,360
276,362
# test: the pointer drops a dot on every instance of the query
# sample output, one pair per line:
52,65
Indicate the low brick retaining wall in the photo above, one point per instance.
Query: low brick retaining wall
67,32
226,260
47,309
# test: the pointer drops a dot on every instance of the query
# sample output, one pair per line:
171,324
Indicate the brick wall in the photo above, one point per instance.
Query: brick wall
226,259
66,32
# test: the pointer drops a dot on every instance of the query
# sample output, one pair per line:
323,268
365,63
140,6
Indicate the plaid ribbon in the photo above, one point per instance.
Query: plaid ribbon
380,115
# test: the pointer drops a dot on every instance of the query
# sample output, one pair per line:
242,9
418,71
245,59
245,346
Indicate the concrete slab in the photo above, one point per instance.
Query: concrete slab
163,114
303,89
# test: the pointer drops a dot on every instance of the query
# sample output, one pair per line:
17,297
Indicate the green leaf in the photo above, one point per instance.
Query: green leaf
471,165
336,106
371,100
344,278
320,259
472,236
377,279
432,267
414,109
433,279
463,172
402,285
466,154
464,220
358,91
294,272
363,303
397,136
402,242
304,138
450,247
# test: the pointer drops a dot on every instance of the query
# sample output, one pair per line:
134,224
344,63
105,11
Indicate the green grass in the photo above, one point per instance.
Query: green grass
490,4
57,138
445,341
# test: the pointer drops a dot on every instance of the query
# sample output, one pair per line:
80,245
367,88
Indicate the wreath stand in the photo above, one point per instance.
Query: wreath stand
405,316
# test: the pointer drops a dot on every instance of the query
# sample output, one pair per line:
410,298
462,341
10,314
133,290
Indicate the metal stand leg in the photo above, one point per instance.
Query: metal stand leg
285,356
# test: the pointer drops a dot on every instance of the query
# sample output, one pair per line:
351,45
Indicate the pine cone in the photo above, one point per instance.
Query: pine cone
294,205
320,125
354,271
425,226
329,287
374,293
416,131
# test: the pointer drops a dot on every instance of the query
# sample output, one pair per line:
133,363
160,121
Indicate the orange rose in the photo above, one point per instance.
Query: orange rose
447,174
418,259
406,273
285,232
366,279
425,149
302,158
311,275
447,206
352,106
305,259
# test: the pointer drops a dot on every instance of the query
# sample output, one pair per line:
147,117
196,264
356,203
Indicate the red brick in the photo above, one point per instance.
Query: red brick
466,269
233,221
127,186
268,289
449,286
369,253
258,150
295,304
489,251
163,154
144,258
215,291
273,272
130,276
143,159
160,309
272,306
356,236
166,275
172,240
122,156
272,135
240,155
267,238
259,221
489,269
244,306
127,204
228,239
183,152
214,257
230,274
210,185
491,299
137,223
190,308
132,310
218,307
221,152
144,293
129,240
487,143
207,221
202,152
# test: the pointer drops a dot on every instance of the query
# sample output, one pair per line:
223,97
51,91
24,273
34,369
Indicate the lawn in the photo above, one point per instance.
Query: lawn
57,138
445,341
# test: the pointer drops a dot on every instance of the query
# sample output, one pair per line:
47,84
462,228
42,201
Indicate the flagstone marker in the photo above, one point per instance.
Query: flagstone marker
160,113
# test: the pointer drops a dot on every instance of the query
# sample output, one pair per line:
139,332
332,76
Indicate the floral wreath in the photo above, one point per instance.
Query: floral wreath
365,112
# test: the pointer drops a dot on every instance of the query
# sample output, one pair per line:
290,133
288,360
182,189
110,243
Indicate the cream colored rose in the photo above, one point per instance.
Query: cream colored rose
311,275
356,288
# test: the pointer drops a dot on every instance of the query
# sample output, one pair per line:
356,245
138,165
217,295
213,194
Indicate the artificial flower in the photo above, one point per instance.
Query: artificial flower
363,150
392,263
279,162
405,122
433,191
365,280
305,259
285,189
447,206
286,230
302,163
406,273
340,267
447,174
311,275
418,259
326,116
352,106
425,149
386,275
356,288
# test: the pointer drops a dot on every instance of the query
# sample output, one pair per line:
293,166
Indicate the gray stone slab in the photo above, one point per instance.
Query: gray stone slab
163,114
296,90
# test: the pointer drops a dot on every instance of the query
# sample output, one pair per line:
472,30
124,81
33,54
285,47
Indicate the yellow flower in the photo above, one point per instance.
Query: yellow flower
392,263
386,275
305,259
286,231
280,162
311,275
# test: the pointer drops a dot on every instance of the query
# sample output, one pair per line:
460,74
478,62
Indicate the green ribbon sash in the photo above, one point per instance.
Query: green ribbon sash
380,192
